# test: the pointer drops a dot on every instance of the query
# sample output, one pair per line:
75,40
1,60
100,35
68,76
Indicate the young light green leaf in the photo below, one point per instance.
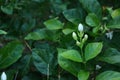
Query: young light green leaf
67,31
115,13
83,75
92,20
36,35
53,24
92,50
3,32
73,55
109,75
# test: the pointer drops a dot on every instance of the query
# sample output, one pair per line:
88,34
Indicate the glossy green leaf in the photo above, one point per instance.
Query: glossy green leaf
44,59
115,13
10,53
115,23
83,75
92,50
92,6
53,24
109,75
111,56
24,64
37,35
67,31
68,65
2,32
74,15
92,20
73,55
7,9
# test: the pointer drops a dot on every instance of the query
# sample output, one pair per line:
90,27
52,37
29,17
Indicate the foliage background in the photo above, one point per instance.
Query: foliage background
29,49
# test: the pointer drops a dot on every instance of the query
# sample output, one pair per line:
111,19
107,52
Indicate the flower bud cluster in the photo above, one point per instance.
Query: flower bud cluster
80,37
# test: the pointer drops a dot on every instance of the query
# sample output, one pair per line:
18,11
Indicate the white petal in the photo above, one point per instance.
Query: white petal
3,76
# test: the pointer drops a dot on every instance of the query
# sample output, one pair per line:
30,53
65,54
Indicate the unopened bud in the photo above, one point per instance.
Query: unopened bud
77,43
3,76
85,36
80,27
74,36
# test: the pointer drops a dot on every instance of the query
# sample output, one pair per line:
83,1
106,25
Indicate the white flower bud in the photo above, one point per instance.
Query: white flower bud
77,43
3,76
74,36
80,27
85,36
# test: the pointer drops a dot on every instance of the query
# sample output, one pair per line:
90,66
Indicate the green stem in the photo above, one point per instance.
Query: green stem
83,58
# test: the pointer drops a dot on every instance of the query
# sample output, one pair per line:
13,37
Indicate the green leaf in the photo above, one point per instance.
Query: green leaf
7,9
44,59
2,32
83,75
10,54
68,65
111,56
92,20
67,31
115,13
24,64
92,50
37,35
115,23
53,24
74,15
109,75
73,55
88,5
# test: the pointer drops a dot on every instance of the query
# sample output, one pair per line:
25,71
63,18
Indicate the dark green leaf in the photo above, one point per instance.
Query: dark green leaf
74,15
10,54
108,75
92,6
115,23
111,56
7,9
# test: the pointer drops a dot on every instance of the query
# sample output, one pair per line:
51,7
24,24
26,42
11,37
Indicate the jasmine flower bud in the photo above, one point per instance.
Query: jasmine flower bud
3,76
77,43
80,27
85,36
74,35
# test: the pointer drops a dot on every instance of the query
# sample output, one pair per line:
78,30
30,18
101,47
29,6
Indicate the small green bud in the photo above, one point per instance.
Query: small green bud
77,43
74,35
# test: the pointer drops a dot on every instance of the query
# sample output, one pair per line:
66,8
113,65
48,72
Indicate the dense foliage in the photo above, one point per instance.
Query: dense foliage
60,39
